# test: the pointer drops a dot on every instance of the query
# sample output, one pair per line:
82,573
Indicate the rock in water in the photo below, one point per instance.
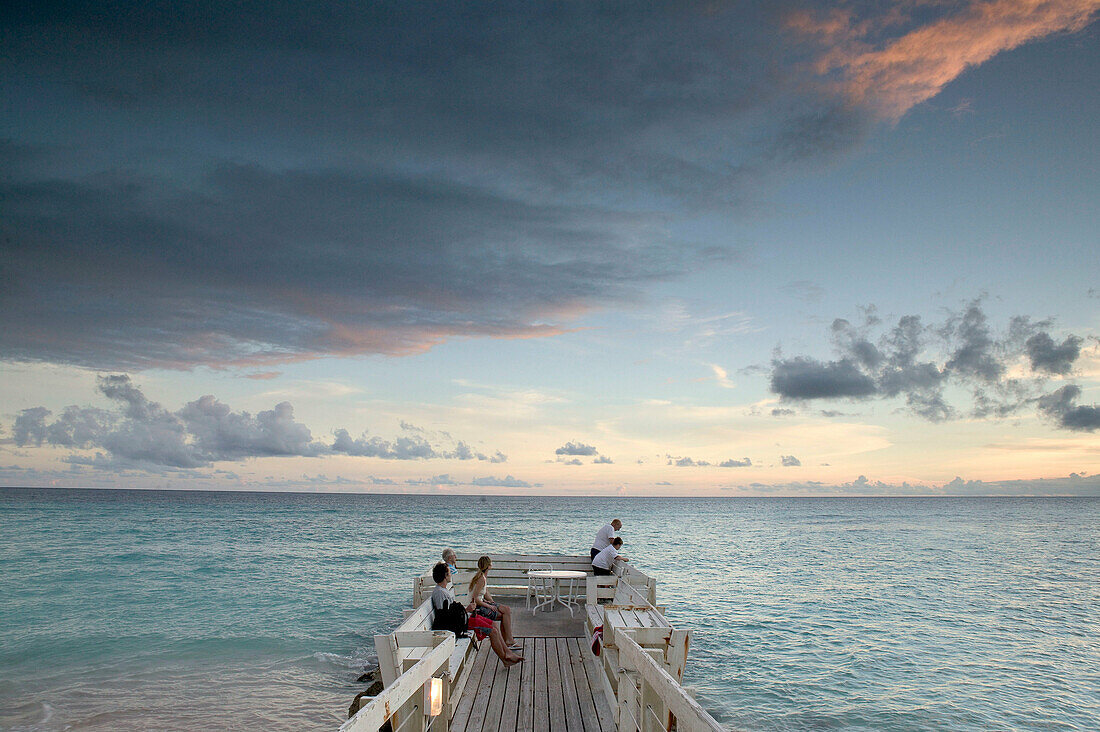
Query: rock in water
370,674
363,698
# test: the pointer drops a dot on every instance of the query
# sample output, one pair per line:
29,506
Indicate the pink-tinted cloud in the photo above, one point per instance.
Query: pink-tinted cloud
889,64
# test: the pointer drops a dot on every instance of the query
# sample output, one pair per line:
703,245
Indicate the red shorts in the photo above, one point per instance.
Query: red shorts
480,625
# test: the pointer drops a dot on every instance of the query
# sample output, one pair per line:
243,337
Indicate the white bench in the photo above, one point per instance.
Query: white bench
413,640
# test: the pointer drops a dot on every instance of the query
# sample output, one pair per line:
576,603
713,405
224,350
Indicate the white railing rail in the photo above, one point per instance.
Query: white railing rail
402,695
649,698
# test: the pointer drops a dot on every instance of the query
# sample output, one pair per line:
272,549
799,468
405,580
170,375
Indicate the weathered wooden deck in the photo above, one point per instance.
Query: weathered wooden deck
555,689
435,681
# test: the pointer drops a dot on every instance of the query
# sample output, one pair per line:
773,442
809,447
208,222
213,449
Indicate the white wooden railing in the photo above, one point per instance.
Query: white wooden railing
402,702
649,699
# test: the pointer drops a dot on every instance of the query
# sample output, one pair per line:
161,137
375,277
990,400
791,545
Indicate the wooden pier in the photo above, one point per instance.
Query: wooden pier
434,681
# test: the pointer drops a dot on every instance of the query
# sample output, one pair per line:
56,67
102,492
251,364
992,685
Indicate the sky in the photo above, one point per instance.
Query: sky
781,248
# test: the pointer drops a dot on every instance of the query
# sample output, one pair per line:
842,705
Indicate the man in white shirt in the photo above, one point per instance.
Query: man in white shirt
604,536
604,562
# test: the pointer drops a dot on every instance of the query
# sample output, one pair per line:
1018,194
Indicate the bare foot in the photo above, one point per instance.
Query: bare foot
509,662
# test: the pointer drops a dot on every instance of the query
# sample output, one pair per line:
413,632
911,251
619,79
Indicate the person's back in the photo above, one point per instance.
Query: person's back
604,536
442,597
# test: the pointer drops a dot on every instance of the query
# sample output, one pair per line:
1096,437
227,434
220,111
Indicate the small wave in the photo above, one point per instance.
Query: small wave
356,662
30,717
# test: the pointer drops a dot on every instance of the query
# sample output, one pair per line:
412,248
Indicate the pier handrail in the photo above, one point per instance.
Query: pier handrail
372,716
641,679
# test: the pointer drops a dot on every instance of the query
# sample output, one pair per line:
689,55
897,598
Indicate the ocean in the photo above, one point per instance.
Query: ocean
128,610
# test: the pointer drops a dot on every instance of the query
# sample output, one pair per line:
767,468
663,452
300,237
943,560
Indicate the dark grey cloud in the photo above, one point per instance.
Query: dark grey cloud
918,362
789,461
782,412
1061,406
257,183
806,378
1053,358
576,448
142,432
731,463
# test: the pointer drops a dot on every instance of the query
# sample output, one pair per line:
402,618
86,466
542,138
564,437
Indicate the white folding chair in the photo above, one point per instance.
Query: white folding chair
538,587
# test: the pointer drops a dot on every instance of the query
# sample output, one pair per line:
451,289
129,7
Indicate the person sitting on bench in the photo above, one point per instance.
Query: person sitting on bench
486,605
604,562
482,627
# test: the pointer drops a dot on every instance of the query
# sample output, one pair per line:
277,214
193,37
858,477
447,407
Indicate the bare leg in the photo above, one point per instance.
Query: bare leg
506,623
499,648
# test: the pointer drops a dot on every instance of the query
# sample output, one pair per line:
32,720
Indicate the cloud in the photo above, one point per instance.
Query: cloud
574,461
142,432
731,463
807,291
507,481
892,61
1046,356
918,362
721,376
576,448
455,195
782,412
686,462
443,479
789,461
804,378
603,460
1061,407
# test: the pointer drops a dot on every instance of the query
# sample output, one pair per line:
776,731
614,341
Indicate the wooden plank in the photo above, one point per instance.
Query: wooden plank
458,684
651,636
570,692
689,715
555,691
495,705
473,557
483,690
473,683
526,718
541,721
413,638
419,619
607,666
678,643
627,713
586,690
509,717
386,649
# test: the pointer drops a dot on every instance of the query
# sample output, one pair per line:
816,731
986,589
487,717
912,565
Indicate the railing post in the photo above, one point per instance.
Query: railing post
678,643
629,699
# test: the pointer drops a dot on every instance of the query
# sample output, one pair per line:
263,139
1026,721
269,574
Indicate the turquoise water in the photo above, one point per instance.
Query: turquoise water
168,610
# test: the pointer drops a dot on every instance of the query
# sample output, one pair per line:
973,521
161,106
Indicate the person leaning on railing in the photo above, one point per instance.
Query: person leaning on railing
605,535
604,562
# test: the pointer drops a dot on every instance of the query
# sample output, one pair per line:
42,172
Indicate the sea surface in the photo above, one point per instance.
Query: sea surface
127,610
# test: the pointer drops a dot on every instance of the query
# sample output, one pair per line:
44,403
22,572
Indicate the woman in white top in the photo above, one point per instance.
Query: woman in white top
486,606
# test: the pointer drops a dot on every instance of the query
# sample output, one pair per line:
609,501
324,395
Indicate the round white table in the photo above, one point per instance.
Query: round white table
558,575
